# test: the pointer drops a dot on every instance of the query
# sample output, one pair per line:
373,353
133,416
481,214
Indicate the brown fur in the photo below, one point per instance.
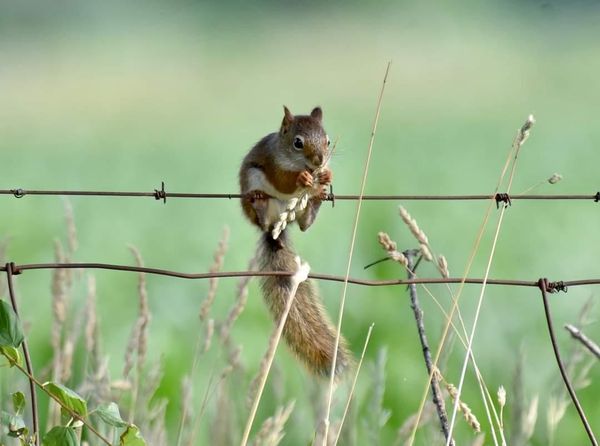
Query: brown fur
308,330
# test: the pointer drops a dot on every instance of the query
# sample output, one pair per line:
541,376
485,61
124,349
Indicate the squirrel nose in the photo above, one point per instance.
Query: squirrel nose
318,159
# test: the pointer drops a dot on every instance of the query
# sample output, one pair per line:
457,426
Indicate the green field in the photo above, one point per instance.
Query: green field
103,96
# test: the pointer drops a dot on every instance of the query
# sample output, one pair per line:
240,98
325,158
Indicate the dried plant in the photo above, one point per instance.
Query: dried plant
271,432
417,232
213,282
390,246
378,416
463,407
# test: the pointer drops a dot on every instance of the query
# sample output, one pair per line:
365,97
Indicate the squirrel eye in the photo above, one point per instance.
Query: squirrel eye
299,142
328,142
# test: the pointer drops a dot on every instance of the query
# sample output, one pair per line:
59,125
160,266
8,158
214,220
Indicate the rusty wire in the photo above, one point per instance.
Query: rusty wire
551,287
162,194
18,269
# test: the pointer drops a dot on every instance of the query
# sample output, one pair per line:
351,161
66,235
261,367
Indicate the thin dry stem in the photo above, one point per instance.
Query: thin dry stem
521,137
463,407
350,254
351,394
300,276
390,246
271,432
219,257
240,304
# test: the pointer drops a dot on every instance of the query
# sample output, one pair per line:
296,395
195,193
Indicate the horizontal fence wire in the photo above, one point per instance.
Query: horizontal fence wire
555,286
162,194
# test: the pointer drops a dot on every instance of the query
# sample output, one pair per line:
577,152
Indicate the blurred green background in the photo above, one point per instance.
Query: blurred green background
121,96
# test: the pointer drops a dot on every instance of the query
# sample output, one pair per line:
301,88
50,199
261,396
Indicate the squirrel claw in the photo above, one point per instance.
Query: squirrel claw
325,177
256,195
305,179
323,194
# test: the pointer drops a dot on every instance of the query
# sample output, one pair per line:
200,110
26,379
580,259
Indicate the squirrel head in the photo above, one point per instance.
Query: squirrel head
304,139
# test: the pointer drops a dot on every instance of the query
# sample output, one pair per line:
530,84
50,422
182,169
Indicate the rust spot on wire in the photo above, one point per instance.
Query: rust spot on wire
14,269
502,198
161,194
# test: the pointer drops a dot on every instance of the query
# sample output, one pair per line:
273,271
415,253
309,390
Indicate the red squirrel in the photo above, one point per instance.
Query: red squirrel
281,167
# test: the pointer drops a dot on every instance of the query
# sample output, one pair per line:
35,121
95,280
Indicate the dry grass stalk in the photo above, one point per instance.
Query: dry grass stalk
239,305
523,132
351,394
213,282
378,414
463,407
210,329
390,246
501,403
529,420
258,384
470,417
138,341
187,394
412,225
271,432
59,299
233,361
408,426
479,440
91,316
443,266
72,243
554,414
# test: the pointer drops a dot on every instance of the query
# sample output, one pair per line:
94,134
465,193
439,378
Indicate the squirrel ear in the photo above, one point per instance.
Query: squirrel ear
287,119
317,113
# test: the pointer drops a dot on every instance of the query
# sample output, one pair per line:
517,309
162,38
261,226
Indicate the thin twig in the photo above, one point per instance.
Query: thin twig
73,414
522,135
543,285
436,393
300,276
587,342
34,405
351,394
350,254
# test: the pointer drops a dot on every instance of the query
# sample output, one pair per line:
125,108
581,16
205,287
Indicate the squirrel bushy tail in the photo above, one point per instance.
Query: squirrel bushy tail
308,330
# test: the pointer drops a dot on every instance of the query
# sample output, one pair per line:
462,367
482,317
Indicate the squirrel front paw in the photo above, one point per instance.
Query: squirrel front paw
325,177
256,195
305,179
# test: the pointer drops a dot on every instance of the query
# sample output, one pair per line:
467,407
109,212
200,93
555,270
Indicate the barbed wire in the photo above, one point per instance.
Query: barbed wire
162,194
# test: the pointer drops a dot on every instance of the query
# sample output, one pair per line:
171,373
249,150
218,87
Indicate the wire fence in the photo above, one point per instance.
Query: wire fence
544,285
162,194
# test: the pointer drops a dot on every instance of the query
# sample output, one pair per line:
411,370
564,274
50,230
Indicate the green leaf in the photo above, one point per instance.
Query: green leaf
60,436
12,354
132,437
18,402
11,334
13,425
109,413
68,398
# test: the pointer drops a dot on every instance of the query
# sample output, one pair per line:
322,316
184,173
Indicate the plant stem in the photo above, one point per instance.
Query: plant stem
34,406
436,393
